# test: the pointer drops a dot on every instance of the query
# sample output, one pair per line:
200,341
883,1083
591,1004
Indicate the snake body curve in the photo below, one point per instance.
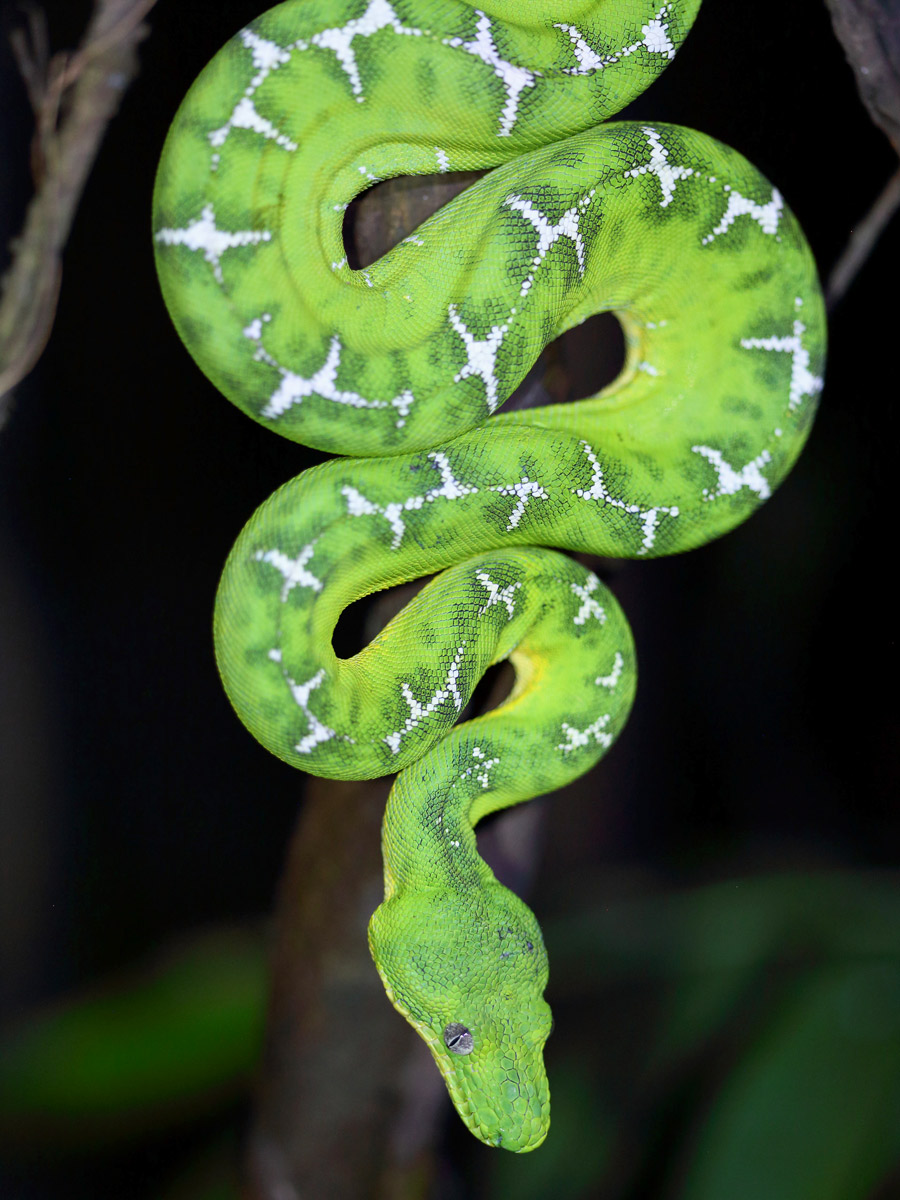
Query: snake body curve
405,364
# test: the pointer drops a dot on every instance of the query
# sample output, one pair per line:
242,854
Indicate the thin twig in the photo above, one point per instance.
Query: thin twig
869,31
862,240
86,87
122,27
32,53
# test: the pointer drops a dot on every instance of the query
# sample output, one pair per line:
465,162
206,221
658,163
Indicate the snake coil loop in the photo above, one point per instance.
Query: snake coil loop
405,365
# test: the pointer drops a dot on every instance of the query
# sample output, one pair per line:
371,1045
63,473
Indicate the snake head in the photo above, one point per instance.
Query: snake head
468,970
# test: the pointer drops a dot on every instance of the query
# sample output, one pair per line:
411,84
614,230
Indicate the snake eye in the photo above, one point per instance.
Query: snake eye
458,1039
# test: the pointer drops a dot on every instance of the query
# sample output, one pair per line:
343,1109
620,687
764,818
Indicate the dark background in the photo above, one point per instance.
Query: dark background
132,803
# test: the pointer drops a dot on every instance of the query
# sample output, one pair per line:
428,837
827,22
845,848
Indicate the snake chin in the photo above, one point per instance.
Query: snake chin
468,972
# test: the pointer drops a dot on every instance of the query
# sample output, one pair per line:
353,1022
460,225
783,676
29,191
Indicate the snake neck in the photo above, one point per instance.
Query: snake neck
429,822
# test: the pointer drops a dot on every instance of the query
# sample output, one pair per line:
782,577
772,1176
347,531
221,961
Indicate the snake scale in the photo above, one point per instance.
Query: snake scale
405,365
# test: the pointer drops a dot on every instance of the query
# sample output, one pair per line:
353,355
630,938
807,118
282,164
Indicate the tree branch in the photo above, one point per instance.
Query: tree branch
74,96
869,31
345,1106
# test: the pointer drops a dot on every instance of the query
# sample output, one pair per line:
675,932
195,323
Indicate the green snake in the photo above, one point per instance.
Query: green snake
405,364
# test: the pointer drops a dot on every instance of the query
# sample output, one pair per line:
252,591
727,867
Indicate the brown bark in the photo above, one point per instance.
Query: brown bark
74,97
869,31
347,1099
336,1054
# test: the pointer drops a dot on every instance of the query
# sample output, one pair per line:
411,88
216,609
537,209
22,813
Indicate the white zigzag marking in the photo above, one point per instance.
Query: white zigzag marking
514,79
481,355
294,388
767,216
203,234
245,116
481,768
659,166
293,569
523,491
566,226
418,711
449,488
654,38
378,15
610,681
589,606
267,57
318,732
731,480
588,58
577,738
803,382
649,517
497,594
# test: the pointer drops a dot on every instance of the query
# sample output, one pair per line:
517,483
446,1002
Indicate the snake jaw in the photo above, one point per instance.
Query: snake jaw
520,1123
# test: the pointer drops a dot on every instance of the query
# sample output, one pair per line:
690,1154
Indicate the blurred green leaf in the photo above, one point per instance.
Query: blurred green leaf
147,1051
812,1112
712,946
730,925
664,979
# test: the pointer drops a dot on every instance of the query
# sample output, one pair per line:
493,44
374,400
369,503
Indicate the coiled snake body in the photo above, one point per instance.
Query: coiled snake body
405,364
